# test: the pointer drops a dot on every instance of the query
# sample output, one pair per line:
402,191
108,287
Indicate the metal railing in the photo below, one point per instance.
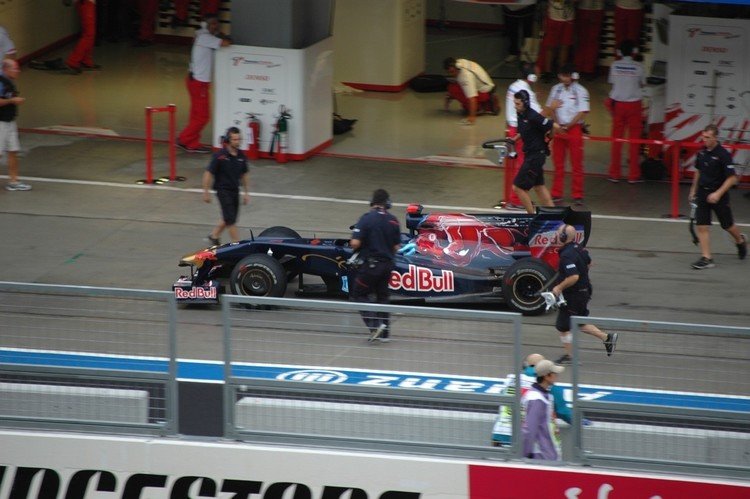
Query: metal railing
302,372
714,433
343,392
53,373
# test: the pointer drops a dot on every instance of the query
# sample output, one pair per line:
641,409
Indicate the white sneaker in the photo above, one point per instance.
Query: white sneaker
17,186
377,333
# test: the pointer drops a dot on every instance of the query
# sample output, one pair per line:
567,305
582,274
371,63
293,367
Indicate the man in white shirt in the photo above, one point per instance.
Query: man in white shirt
472,87
627,78
208,39
569,101
525,82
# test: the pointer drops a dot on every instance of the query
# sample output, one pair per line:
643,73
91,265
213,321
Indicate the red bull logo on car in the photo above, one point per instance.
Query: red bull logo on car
422,279
195,293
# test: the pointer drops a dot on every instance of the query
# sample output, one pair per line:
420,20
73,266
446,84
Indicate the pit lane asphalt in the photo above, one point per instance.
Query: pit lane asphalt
87,223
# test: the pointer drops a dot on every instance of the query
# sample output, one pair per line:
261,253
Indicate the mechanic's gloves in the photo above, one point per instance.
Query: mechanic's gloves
408,249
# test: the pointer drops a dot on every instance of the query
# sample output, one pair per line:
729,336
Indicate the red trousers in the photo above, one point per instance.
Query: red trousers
83,53
207,7
514,165
588,29
571,141
199,91
626,115
483,98
148,9
628,26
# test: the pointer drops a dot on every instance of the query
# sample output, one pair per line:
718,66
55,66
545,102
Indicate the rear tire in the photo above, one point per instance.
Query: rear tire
523,283
258,275
281,232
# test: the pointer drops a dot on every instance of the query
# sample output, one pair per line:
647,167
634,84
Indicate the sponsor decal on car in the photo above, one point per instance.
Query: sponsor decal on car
422,279
195,293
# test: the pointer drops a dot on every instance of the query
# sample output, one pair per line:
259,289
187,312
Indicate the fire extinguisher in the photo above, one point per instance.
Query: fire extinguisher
280,141
253,137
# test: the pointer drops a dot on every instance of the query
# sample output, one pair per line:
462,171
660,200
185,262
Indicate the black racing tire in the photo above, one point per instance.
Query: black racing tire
523,283
258,275
280,231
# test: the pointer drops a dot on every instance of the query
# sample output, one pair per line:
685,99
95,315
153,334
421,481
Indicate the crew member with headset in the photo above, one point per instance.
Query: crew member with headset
627,78
228,170
473,88
533,129
377,237
528,77
575,287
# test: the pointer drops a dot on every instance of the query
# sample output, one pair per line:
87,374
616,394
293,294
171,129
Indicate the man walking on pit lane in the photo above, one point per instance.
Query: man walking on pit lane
713,178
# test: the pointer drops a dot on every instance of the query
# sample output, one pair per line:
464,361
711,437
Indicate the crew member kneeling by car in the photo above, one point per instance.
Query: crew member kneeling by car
377,237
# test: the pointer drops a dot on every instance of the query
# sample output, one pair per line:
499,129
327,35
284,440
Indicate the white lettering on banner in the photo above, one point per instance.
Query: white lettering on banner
314,376
195,293
422,279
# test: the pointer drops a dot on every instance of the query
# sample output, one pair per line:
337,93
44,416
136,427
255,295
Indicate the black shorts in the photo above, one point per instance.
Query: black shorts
722,210
230,205
531,172
578,302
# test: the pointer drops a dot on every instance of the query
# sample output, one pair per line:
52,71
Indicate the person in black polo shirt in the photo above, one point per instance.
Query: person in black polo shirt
377,237
714,177
227,169
533,129
576,289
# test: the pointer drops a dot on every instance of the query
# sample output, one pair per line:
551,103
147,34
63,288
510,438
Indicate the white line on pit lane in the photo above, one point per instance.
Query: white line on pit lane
96,183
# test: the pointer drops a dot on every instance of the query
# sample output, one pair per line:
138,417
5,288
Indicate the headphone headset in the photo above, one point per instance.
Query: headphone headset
523,96
528,73
377,198
230,130
564,234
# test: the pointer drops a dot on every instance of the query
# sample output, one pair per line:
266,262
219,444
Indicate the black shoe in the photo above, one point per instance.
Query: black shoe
557,199
70,70
499,205
704,263
565,359
742,247
213,240
93,67
614,180
610,343
578,201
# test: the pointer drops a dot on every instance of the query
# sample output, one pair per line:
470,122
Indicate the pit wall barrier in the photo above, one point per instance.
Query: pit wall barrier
672,154
68,465
270,388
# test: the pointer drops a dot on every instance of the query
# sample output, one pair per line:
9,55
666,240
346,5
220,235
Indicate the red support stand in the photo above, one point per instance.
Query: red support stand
172,110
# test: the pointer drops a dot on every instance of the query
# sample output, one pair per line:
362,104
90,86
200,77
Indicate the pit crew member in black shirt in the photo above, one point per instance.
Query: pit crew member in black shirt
228,169
714,177
377,237
533,129
576,289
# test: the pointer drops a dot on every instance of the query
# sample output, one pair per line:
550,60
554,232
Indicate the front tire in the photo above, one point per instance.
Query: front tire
258,275
523,283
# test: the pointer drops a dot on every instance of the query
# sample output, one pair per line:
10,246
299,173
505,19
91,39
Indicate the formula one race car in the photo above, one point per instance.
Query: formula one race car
445,256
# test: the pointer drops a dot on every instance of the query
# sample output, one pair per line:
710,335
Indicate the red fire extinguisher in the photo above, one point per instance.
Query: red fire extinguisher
280,140
253,137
